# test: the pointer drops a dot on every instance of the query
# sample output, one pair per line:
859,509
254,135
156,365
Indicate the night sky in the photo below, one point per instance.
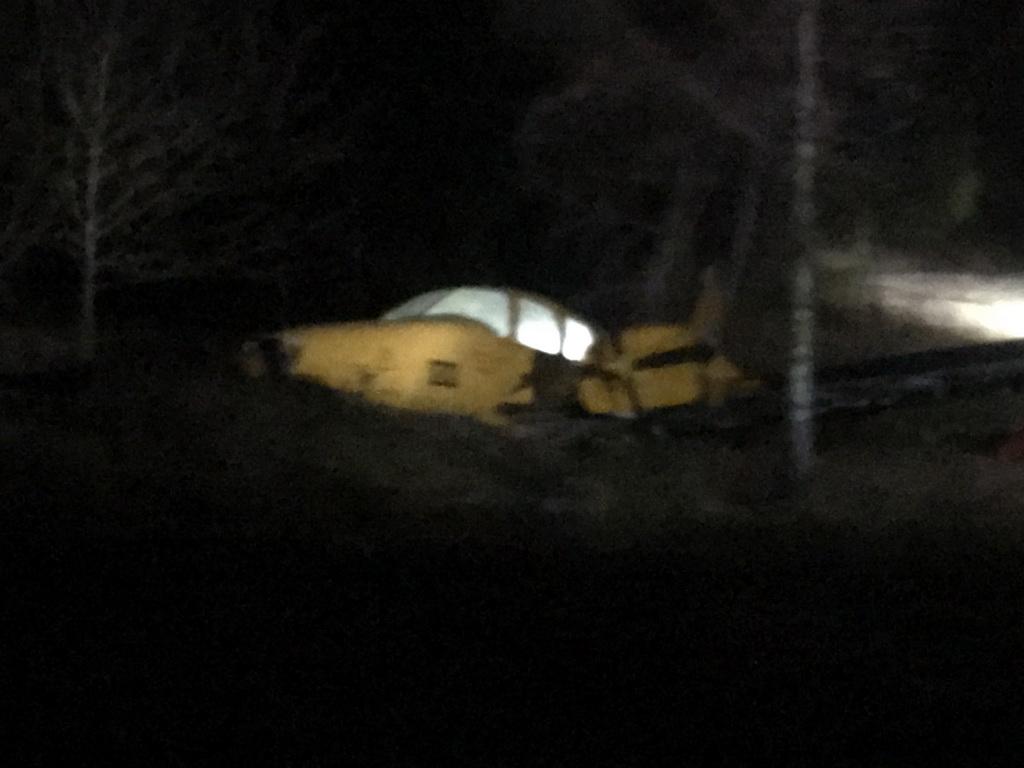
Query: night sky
442,181
436,104
453,88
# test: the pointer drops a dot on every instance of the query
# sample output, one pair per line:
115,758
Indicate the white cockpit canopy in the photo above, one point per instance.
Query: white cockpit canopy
533,321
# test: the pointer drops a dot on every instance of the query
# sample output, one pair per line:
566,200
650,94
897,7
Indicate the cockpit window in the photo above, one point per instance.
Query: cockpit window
485,305
538,327
578,340
415,307
540,324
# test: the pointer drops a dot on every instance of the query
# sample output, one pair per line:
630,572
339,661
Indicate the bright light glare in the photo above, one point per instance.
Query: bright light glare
977,305
578,340
1000,319
538,327
539,334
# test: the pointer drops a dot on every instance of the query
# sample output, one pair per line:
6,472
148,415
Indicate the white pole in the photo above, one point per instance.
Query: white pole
801,378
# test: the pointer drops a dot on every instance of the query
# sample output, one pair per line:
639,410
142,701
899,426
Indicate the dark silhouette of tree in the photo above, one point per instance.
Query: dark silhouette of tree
630,164
161,119
658,110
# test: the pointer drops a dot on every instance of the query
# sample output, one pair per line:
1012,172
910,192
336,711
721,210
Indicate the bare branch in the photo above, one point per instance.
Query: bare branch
170,126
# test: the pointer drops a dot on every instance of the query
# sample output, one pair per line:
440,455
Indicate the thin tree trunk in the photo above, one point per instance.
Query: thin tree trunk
672,279
90,252
733,273
95,135
801,379
87,328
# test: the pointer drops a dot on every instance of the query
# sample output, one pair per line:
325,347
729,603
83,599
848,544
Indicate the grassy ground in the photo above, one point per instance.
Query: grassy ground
203,571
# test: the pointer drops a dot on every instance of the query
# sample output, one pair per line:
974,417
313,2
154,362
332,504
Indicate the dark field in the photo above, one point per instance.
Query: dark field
224,575
746,650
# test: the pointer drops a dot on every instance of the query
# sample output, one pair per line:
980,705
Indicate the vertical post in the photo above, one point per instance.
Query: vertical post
95,135
801,372
90,250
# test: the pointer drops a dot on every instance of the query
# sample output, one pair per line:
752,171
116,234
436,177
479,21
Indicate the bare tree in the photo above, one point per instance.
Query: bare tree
628,160
160,112
660,105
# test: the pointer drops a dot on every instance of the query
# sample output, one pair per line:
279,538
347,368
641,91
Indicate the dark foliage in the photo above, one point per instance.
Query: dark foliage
641,112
